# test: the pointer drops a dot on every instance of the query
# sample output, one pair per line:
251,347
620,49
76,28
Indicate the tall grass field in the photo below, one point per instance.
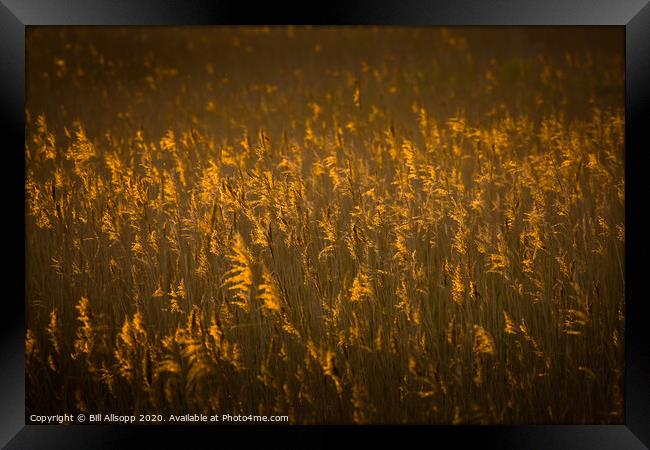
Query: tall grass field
353,225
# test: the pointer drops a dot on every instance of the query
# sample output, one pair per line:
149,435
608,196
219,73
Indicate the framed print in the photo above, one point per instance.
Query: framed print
363,221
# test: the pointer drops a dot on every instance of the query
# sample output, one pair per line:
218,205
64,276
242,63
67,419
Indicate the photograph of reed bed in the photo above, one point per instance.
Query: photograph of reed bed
337,225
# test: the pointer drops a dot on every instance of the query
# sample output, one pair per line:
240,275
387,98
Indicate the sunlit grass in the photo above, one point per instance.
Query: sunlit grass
349,252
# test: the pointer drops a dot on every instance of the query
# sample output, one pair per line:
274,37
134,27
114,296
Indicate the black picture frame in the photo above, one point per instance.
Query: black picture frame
16,15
